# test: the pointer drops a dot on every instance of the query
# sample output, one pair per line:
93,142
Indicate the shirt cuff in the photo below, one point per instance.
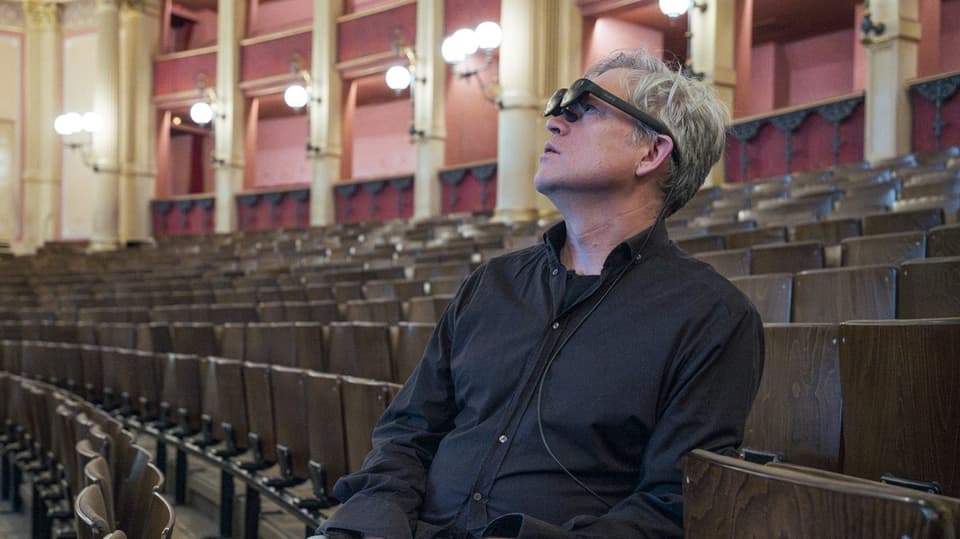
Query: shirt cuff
371,516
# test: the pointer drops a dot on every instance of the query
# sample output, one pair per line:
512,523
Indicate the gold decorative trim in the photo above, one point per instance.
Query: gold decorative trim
374,10
275,35
186,54
41,15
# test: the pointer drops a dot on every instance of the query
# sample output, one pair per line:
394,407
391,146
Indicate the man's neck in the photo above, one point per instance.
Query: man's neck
592,235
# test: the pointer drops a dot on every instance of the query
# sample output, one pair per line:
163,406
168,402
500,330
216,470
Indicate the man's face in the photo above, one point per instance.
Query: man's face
595,153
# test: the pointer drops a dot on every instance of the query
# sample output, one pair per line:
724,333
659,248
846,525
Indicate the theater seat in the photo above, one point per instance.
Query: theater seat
325,432
891,249
900,410
903,221
929,288
364,401
727,497
840,294
729,263
786,258
160,519
745,239
360,349
771,294
700,244
93,521
408,341
797,410
944,241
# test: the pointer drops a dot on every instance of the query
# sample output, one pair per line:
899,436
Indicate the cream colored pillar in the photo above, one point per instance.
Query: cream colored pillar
325,112
428,109
891,61
41,177
713,53
520,123
138,168
228,123
105,142
560,27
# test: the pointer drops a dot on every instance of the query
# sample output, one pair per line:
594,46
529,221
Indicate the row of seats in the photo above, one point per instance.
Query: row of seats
846,418
864,398
922,288
858,190
272,425
364,349
766,250
817,377
88,477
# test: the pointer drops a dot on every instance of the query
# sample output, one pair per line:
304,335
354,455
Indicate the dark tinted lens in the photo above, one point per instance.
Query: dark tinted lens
571,113
553,105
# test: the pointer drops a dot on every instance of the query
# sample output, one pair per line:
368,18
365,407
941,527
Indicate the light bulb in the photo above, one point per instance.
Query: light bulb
451,51
296,96
674,8
91,122
489,35
468,40
398,78
64,124
201,113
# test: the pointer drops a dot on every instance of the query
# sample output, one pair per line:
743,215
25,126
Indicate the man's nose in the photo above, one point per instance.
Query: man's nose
558,125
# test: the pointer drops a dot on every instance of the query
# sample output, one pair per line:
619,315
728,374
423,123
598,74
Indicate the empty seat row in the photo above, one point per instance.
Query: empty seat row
815,251
868,399
923,288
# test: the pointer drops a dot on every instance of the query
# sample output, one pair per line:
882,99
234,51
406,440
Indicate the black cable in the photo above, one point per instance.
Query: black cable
543,376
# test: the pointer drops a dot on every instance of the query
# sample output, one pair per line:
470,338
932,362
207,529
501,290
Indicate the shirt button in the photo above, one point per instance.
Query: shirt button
477,496
555,271
556,325
502,439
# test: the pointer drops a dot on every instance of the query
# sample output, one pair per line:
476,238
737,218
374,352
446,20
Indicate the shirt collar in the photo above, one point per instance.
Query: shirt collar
627,250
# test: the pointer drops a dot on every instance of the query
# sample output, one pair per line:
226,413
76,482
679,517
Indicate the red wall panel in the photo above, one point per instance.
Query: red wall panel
925,116
273,209
376,200
374,33
270,58
180,74
811,141
183,217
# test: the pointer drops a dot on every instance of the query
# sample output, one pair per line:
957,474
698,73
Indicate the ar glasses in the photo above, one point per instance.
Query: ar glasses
567,101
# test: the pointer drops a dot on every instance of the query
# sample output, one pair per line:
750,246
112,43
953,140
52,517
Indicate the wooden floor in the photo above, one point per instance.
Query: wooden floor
13,526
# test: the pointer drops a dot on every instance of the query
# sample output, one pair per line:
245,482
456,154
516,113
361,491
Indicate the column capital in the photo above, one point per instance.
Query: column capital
108,4
146,7
42,14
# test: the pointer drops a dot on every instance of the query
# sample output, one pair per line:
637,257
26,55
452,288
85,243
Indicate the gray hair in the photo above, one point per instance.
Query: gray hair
689,108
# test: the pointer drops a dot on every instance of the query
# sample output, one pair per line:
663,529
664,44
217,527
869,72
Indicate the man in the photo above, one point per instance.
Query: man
565,381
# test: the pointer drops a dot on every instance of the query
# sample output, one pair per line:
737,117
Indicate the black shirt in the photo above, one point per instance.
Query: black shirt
668,361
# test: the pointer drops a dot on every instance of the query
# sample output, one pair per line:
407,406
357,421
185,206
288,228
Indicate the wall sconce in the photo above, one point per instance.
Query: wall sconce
71,124
459,47
202,112
399,78
676,8
298,94
867,26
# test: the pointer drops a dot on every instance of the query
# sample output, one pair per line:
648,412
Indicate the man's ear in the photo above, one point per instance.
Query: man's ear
657,151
